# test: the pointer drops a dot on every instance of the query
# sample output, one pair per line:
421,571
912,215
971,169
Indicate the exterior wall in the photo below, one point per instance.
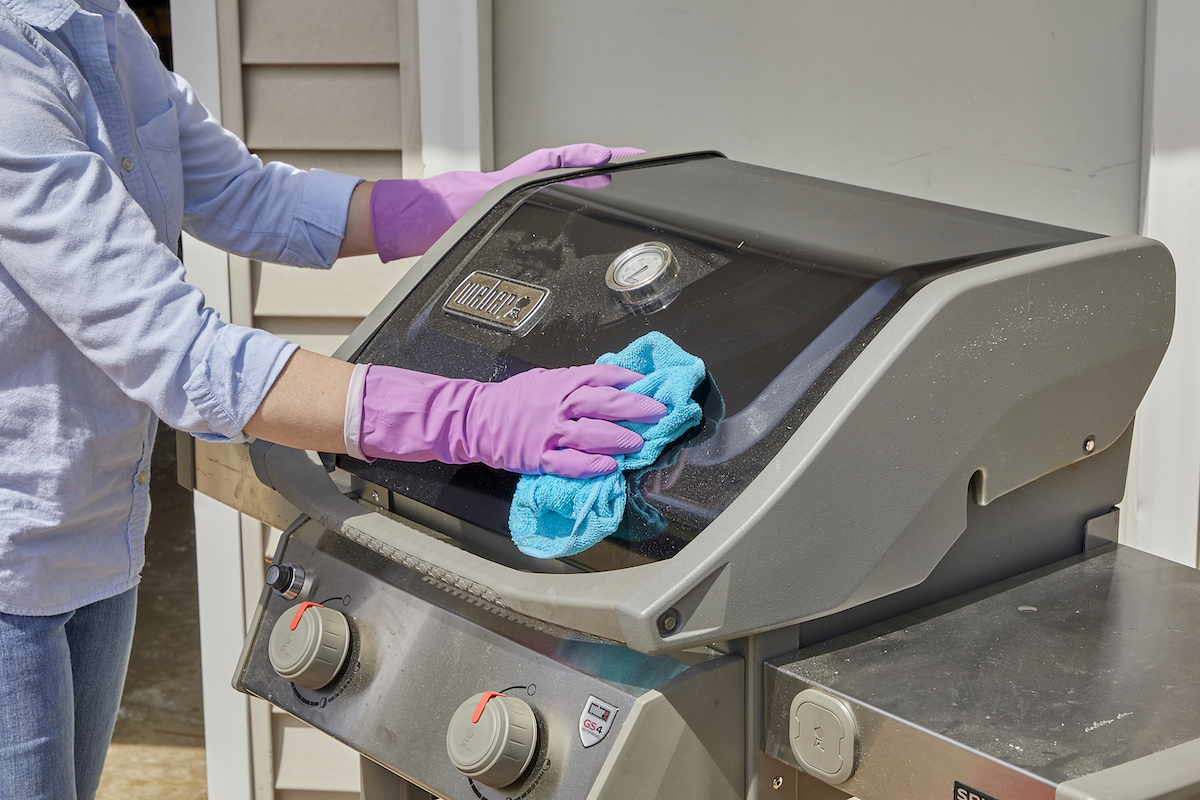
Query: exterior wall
1167,463
1024,107
303,83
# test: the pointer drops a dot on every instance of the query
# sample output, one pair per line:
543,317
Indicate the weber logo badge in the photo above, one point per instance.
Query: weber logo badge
496,301
964,792
596,720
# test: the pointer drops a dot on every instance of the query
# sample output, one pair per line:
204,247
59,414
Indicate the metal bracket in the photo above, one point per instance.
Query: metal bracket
1101,530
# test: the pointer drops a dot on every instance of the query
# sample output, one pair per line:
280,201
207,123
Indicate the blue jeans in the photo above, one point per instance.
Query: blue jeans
60,687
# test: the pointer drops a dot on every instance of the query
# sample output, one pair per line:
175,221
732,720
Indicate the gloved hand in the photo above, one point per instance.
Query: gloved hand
555,421
408,216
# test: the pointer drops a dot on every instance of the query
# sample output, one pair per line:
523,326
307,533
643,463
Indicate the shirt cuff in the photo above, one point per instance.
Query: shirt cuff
320,217
352,427
239,367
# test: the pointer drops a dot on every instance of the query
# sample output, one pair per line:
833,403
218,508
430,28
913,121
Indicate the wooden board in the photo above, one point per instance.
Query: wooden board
224,473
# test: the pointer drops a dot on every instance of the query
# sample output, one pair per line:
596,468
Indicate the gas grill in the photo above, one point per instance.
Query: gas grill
883,564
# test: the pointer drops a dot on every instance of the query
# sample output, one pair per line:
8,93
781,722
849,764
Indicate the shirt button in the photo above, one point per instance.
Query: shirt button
127,164
142,477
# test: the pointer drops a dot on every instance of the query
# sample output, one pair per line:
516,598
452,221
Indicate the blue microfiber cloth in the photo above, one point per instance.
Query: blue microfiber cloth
552,516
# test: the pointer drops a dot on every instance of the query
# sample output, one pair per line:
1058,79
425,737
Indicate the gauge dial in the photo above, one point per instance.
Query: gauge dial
641,273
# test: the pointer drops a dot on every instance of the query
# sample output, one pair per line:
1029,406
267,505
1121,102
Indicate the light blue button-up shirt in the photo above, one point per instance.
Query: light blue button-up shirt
104,157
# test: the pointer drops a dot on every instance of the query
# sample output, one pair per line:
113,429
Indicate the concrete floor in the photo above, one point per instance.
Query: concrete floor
158,746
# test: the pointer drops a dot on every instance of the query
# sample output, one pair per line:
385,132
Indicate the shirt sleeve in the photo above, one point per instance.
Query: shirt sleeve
86,255
270,212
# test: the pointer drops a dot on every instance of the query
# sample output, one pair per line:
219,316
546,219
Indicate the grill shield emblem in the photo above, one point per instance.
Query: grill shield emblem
497,302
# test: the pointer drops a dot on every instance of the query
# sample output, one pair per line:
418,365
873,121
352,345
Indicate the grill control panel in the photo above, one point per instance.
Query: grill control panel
466,701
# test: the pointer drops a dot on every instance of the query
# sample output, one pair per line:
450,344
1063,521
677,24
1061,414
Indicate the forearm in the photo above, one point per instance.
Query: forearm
360,238
306,406
269,212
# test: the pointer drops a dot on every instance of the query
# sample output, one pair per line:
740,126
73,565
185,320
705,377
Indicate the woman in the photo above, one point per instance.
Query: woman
104,157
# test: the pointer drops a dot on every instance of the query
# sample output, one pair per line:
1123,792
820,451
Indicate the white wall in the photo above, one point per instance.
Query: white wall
1167,455
1021,107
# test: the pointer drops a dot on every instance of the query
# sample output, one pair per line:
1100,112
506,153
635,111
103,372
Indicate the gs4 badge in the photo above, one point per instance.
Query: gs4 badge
964,792
596,720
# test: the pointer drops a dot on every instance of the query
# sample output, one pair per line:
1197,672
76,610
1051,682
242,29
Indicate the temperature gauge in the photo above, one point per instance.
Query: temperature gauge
642,274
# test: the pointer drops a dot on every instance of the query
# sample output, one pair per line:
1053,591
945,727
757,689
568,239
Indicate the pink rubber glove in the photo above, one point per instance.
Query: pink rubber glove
555,421
408,216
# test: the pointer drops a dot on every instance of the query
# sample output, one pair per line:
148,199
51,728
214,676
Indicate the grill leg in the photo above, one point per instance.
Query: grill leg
382,784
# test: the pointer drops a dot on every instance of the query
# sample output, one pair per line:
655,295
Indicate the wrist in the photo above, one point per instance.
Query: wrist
359,239
352,425
414,416
407,217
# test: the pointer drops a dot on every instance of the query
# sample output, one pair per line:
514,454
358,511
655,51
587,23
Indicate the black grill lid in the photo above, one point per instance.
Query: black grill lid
782,280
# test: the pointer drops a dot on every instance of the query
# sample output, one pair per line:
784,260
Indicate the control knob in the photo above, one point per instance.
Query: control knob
286,579
309,644
491,738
